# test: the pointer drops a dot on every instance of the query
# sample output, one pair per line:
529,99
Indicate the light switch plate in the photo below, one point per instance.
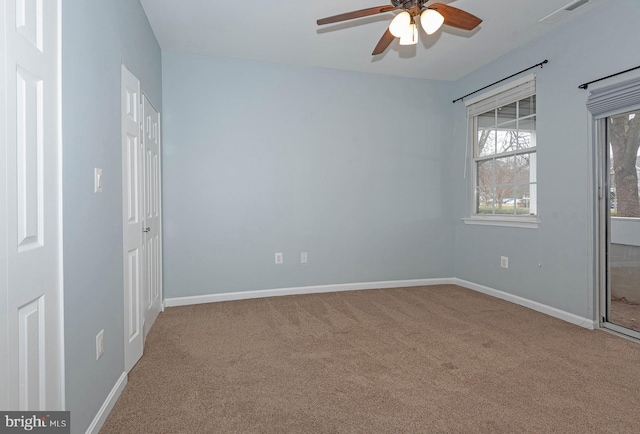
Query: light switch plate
97,180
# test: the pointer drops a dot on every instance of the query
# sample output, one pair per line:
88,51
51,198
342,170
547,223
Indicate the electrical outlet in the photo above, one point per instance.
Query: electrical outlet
279,258
100,344
303,257
504,261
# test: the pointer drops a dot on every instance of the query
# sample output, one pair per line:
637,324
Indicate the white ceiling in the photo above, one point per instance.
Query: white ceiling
285,31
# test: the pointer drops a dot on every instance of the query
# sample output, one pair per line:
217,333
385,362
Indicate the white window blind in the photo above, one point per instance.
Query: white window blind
502,96
615,97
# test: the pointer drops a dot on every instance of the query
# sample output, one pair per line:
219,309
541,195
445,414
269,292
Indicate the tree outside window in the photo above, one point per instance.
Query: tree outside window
623,132
505,159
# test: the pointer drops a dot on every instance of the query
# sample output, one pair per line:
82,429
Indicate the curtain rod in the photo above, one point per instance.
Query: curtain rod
541,65
586,85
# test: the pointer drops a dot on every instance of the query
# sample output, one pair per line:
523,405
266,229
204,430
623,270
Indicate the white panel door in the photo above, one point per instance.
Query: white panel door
30,233
4,355
152,223
132,155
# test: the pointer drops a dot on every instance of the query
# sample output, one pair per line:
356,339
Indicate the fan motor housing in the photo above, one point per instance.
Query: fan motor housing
409,4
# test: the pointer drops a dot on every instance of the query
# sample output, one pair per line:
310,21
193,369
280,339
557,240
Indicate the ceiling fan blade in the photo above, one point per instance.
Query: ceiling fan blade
355,14
455,17
383,43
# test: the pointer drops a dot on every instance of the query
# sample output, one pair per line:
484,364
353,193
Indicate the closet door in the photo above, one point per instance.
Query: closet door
30,226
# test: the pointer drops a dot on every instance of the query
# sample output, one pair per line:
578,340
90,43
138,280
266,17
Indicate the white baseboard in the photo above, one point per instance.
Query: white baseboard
107,406
243,295
534,305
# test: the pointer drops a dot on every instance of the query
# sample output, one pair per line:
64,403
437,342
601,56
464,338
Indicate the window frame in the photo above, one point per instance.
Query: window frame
506,94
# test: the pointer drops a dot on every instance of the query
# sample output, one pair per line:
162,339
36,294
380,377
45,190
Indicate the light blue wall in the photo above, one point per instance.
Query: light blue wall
96,38
596,44
259,158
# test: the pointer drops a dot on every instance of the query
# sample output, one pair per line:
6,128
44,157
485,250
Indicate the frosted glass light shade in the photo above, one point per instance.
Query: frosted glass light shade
431,21
411,35
400,24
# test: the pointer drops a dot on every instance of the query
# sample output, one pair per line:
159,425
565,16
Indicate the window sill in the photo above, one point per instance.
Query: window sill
515,222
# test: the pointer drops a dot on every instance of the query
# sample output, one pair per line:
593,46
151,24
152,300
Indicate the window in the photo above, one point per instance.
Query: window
504,152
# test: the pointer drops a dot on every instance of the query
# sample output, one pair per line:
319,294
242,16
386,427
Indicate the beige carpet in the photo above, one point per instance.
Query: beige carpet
424,359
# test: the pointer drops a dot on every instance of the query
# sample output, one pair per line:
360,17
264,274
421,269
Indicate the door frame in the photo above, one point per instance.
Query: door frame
602,221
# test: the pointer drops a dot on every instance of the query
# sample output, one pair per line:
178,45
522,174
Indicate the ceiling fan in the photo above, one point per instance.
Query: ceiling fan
404,26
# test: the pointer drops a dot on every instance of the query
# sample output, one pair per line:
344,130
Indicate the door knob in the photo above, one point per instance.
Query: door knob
147,229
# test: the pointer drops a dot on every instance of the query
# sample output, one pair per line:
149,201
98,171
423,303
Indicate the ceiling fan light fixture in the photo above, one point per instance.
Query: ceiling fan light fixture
411,35
404,26
431,21
400,24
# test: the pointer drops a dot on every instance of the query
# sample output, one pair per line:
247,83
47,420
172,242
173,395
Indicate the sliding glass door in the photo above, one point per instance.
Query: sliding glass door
622,222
